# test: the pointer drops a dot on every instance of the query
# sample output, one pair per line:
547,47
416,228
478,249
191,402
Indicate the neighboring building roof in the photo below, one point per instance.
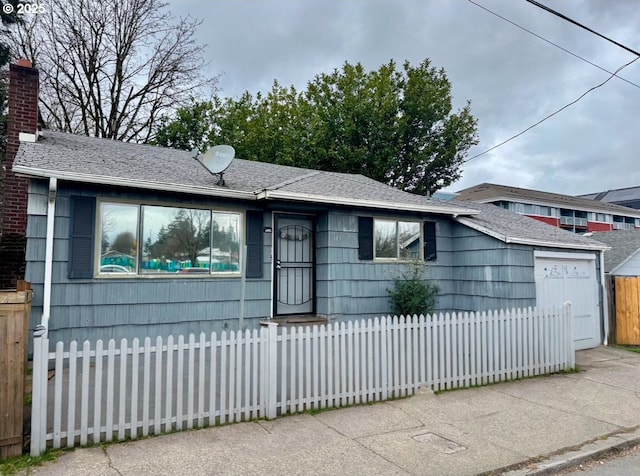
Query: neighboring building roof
511,227
93,160
486,192
624,244
628,197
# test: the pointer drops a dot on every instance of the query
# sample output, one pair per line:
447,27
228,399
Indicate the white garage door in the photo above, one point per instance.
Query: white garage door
562,277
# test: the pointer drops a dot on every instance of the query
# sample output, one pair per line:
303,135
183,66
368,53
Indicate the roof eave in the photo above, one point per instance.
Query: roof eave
306,197
549,203
623,262
529,241
31,172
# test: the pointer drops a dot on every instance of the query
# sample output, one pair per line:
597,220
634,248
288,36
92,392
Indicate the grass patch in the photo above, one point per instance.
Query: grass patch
24,462
630,348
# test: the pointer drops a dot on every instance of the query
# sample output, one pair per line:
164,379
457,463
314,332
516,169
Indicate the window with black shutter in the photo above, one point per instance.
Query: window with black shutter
430,250
365,238
81,237
254,244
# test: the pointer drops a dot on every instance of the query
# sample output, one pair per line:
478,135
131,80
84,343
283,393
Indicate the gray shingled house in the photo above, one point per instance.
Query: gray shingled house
129,240
623,259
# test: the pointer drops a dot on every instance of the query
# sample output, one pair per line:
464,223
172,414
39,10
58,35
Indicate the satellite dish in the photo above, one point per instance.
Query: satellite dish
217,160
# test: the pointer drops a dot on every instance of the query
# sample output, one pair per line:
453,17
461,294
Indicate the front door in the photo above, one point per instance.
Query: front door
294,265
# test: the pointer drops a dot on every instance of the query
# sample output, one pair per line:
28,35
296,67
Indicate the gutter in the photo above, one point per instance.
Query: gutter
306,197
131,183
48,257
605,301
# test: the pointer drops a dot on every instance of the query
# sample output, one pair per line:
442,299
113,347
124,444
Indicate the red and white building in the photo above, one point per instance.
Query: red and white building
577,214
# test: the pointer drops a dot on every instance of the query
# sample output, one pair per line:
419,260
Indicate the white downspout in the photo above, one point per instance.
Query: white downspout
48,257
605,300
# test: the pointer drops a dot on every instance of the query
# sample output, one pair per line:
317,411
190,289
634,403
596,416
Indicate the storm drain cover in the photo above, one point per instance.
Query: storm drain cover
439,443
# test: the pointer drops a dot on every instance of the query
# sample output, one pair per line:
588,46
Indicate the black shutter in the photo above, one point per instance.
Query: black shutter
81,237
365,238
254,244
430,251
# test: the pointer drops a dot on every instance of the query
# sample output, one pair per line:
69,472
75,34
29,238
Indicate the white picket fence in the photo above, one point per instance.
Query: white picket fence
132,389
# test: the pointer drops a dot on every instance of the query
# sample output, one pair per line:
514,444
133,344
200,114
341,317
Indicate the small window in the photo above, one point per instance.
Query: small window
397,240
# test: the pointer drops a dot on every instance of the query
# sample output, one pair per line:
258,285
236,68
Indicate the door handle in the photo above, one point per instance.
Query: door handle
278,264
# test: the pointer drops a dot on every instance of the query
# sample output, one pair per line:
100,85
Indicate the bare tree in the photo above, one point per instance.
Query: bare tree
112,68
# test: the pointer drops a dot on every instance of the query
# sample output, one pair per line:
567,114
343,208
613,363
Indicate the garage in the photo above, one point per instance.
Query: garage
562,277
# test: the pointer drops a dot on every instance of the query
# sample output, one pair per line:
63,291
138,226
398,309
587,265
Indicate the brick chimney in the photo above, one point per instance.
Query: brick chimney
22,125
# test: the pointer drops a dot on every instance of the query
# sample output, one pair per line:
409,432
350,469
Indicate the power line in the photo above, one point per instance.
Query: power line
570,20
552,43
555,112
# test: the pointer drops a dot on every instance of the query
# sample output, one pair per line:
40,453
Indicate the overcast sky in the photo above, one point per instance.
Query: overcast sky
512,78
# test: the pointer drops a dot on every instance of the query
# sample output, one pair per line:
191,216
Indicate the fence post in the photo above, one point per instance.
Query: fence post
270,368
568,311
39,391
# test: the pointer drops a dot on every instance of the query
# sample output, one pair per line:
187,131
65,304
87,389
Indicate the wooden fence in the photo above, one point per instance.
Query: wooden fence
627,310
14,336
125,390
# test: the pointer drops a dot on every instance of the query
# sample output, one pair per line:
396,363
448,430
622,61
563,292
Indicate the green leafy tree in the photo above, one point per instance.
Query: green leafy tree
394,125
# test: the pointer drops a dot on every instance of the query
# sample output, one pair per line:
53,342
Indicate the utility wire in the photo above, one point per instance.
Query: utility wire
555,112
554,44
570,20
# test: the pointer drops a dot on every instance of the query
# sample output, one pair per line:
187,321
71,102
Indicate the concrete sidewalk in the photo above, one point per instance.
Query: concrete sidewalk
513,427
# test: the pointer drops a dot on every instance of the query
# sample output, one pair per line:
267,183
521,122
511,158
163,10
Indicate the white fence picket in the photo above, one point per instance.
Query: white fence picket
122,398
146,384
71,404
111,354
157,415
97,393
57,409
190,379
213,374
168,413
254,374
223,377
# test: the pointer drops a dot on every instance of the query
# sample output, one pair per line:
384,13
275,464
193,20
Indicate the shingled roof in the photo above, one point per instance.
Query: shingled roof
623,243
93,160
486,192
511,227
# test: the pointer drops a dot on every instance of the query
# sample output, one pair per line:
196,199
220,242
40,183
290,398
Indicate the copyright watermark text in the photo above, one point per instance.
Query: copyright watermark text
23,8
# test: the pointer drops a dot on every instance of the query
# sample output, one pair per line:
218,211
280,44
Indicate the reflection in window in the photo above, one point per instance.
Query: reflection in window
119,238
159,240
225,242
397,239
385,239
408,240
175,239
